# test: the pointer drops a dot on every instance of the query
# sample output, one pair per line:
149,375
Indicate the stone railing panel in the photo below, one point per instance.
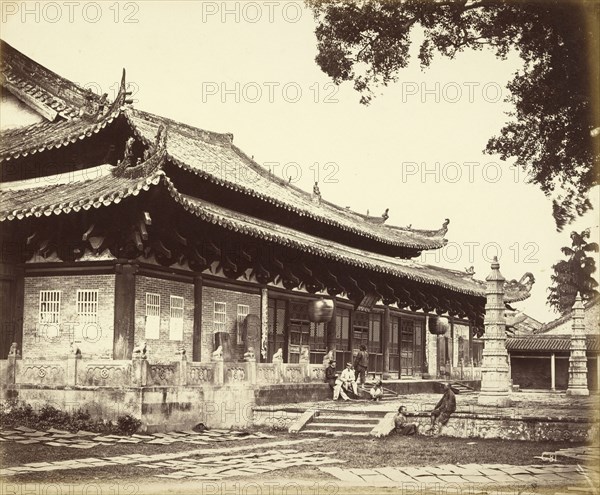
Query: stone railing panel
47,373
317,373
293,373
200,373
266,373
105,373
163,374
236,372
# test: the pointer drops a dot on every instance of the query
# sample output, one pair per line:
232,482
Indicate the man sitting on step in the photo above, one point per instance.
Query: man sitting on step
377,391
348,379
443,409
403,427
334,382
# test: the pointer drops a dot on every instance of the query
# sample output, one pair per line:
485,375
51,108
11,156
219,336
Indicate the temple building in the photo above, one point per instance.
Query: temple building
126,234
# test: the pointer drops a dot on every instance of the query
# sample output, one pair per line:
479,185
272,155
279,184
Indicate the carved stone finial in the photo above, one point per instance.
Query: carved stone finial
217,355
75,351
13,349
140,351
278,356
304,356
470,270
249,354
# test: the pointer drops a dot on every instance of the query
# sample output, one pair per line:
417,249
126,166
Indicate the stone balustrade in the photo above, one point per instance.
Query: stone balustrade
75,370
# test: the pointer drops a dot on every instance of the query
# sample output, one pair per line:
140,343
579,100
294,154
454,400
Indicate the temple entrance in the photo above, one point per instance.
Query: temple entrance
406,344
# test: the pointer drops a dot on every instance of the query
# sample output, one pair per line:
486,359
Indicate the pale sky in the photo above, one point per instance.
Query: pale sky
248,68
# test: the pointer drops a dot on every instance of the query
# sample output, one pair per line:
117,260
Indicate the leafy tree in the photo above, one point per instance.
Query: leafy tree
574,274
553,131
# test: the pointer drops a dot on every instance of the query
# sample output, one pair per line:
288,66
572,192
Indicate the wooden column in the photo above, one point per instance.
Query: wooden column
386,331
124,331
553,371
197,335
330,331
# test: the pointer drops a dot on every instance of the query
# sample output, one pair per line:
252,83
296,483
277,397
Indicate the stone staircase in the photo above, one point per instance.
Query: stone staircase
342,422
365,391
461,388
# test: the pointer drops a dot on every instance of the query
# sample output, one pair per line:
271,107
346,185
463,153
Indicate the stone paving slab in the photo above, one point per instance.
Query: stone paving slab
495,474
85,439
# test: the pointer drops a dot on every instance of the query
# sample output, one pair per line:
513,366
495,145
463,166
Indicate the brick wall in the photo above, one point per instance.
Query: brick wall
52,342
164,349
210,295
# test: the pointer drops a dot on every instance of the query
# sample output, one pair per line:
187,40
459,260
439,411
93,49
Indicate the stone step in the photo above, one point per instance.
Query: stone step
340,427
344,419
329,433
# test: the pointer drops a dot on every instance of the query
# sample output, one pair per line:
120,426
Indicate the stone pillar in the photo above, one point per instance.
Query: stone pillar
494,368
139,370
72,364
578,360
11,368
386,330
250,360
553,371
219,370
183,368
264,323
124,321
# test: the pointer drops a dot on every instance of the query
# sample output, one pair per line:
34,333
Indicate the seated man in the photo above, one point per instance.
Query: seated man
348,379
444,408
403,427
377,391
334,382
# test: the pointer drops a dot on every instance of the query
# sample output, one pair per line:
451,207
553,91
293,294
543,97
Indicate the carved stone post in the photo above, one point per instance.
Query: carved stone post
494,368
72,365
11,370
139,370
182,368
578,384
219,370
305,366
250,359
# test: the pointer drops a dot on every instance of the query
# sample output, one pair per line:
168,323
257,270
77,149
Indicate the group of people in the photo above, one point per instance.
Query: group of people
346,383
354,373
439,416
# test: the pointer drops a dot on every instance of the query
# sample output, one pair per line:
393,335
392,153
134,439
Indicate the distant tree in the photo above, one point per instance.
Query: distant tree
554,128
575,274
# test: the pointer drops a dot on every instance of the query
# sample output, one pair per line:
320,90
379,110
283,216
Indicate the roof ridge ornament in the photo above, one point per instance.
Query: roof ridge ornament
316,195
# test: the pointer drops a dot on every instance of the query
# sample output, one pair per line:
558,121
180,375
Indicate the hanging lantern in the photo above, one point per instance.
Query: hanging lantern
438,325
320,310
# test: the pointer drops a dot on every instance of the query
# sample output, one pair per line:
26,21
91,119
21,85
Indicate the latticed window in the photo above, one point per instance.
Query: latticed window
243,310
152,315
87,306
176,318
220,317
49,306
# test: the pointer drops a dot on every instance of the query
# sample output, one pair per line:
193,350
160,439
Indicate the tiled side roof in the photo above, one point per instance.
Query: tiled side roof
24,76
107,187
547,343
450,279
47,135
546,327
214,157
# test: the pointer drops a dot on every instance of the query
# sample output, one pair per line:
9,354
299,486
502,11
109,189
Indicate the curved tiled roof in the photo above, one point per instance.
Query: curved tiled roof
104,187
213,156
549,343
453,280
30,79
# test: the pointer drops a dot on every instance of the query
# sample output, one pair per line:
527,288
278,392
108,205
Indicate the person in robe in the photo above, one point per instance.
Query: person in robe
403,427
444,408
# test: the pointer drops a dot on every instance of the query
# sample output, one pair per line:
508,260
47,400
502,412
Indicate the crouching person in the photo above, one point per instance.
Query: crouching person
377,391
403,427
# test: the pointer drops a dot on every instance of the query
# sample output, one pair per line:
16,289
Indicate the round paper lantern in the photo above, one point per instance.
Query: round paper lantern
320,310
438,325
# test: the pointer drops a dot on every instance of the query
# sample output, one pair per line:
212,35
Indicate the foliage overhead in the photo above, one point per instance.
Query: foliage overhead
575,274
553,131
